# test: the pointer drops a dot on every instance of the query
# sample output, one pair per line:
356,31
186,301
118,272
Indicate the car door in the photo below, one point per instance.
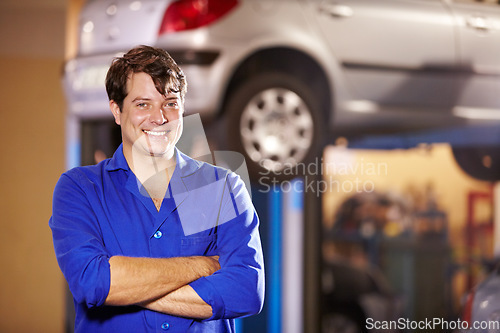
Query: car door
395,54
478,31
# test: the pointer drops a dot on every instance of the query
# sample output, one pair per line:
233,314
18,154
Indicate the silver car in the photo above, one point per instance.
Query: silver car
286,75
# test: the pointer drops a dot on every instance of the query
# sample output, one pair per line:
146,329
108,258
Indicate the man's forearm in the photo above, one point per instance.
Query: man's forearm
137,280
183,302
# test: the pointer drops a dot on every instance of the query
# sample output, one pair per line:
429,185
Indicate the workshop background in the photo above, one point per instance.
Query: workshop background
423,184
32,54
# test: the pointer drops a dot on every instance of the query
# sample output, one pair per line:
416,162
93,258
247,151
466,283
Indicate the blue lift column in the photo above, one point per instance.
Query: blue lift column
284,233
267,202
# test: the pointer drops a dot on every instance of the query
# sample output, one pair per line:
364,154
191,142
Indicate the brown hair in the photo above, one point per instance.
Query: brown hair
153,61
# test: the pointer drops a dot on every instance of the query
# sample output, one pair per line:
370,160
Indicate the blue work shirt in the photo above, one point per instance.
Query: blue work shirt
101,211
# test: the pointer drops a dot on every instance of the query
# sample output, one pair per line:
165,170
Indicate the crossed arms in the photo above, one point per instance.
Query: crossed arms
161,284
199,287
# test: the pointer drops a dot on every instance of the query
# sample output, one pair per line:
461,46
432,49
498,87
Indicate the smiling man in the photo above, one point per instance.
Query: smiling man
152,240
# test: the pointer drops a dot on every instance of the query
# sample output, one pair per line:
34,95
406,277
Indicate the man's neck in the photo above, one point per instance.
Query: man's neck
154,172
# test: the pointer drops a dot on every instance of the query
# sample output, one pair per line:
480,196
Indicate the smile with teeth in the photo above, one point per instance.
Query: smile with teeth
156,133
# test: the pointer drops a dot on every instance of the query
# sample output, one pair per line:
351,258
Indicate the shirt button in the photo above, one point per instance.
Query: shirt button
165,326
158,234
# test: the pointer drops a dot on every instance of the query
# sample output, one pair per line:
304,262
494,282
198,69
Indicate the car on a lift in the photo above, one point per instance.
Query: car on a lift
286,75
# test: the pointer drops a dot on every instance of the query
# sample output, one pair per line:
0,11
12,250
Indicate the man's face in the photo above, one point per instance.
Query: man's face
151,123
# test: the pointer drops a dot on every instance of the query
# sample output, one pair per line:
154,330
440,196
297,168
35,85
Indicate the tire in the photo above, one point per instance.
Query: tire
482,163
275,121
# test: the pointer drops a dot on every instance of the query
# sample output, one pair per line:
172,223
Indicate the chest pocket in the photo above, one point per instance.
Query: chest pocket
199,245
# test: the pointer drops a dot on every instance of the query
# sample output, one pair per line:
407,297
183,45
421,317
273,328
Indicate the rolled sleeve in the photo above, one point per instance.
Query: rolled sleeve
208,292
237,289
78,243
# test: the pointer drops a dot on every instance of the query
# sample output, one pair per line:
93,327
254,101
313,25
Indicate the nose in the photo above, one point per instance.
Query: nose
157,116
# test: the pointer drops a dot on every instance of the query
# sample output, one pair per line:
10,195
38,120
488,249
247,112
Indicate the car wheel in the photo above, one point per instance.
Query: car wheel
482,163
274,119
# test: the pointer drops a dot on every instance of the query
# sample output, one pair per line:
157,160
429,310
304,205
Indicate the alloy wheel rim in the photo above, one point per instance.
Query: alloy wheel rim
277,129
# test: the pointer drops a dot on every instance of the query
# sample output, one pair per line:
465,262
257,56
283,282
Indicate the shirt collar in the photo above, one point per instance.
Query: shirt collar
185,165
118,161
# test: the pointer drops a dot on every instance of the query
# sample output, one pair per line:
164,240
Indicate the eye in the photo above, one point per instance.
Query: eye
142,105
171,105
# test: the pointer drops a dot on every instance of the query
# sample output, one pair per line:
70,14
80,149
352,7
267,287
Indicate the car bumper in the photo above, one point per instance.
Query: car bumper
84,82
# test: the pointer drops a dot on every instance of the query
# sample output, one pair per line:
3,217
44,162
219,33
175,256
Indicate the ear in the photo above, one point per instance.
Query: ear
115,110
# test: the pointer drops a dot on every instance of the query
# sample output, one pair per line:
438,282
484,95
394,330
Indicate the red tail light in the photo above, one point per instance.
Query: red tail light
191,14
